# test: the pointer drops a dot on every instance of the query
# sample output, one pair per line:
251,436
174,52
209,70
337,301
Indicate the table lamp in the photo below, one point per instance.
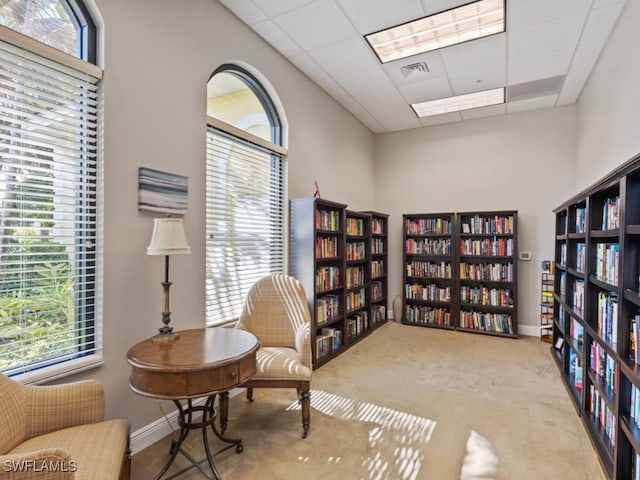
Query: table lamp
168,238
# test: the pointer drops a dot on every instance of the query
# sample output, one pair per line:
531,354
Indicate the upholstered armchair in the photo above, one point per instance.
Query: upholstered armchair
276,312
58,432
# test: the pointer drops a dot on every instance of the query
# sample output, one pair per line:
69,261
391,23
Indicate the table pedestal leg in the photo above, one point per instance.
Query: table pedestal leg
186,423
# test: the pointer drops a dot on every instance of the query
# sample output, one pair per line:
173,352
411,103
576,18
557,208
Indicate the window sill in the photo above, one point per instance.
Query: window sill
56,372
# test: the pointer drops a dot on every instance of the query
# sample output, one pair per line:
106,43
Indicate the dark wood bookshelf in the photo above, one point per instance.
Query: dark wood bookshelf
483,242
605,217
345,311
429,253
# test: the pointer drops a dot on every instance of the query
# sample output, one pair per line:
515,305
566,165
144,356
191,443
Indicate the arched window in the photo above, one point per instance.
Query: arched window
49,124
246,190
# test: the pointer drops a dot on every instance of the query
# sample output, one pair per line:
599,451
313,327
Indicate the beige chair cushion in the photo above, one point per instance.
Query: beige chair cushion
280,364
97,449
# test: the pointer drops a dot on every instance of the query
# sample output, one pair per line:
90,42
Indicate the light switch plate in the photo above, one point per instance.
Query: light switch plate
526,256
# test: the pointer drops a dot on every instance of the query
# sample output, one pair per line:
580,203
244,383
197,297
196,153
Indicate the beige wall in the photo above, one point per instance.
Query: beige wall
522,161
158,57
609,107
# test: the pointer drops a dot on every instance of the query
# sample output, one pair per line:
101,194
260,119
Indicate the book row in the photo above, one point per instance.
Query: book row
327,309
488,225
423,315
377,246
327,278
428,226
377,268
607,257
496,272
487,247
607,326
354,277
357,324
377,226
428,246
429,292
428,269
496,297
355,251
603,365
356,299
328,220
491,322
355,227
602,414
327,341
611,214
326,247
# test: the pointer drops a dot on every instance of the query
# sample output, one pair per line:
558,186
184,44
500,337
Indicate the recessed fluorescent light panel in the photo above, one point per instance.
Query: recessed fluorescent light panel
459,102
468,22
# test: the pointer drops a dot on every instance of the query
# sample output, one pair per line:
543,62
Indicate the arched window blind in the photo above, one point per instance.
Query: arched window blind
48,211
245,220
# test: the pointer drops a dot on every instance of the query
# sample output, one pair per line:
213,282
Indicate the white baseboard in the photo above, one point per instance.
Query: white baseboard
528,330
160,428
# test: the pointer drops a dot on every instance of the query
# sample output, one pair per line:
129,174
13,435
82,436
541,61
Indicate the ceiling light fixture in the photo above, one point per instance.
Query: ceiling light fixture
459,102
461,24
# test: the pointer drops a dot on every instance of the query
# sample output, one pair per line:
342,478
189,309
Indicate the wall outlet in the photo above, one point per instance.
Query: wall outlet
526,256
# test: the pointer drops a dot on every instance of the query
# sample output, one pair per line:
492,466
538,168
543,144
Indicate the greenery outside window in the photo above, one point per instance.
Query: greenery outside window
49,204
246,191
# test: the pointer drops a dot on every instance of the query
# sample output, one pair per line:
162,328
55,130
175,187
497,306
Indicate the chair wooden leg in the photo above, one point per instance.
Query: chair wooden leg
305,400
250,394
223,410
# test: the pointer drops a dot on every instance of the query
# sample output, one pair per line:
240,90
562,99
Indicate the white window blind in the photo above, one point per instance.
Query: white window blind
245,221
48,143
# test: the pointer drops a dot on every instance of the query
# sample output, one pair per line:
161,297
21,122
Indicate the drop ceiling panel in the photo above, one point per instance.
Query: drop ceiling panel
587,55
525,13
435,6
392,113
369,82
474,55
277,7
425,91
245,10
309,67
573,85
540,67
545,38
600,3
481,112
316,25
330,86
532,103
432,59
344,57
277,38
485,79
600,23
361,114
369,16
441,119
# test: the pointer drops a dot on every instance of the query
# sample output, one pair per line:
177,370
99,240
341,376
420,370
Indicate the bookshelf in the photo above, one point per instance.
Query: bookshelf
546,301
357,274
460,271
597,314
379,268
340,263
488,272
429,267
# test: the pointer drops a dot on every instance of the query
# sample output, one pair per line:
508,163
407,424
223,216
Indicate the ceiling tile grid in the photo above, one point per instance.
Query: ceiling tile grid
546,54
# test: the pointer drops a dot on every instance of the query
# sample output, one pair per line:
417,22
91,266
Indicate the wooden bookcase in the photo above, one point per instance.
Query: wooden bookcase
488,270
330,253
379,268
597,314
460,271
429,258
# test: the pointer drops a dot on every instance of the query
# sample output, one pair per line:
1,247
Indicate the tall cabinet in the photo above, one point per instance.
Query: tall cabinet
341,263
597,314
460,271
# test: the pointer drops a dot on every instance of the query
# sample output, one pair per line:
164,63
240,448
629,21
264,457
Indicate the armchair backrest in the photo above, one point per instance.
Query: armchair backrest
276,312
13,418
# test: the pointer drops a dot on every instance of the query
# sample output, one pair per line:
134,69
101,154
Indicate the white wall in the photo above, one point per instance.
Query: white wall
522,161
609,107
158,57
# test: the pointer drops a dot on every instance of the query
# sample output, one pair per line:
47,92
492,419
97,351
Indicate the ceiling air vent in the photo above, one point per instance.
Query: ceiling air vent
414,69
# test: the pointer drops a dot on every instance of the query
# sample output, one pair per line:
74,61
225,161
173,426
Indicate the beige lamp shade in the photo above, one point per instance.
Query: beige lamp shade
168,237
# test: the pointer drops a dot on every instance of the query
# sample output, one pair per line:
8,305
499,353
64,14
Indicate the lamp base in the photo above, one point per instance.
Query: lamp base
165,337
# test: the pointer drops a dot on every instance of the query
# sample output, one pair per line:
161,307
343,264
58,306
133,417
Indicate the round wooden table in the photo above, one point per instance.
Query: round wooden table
202,362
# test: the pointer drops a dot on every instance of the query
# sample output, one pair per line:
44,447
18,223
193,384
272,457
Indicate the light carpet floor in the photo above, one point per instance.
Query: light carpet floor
400,405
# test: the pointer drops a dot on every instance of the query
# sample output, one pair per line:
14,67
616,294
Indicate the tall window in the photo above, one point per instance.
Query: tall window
246,188
48,189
